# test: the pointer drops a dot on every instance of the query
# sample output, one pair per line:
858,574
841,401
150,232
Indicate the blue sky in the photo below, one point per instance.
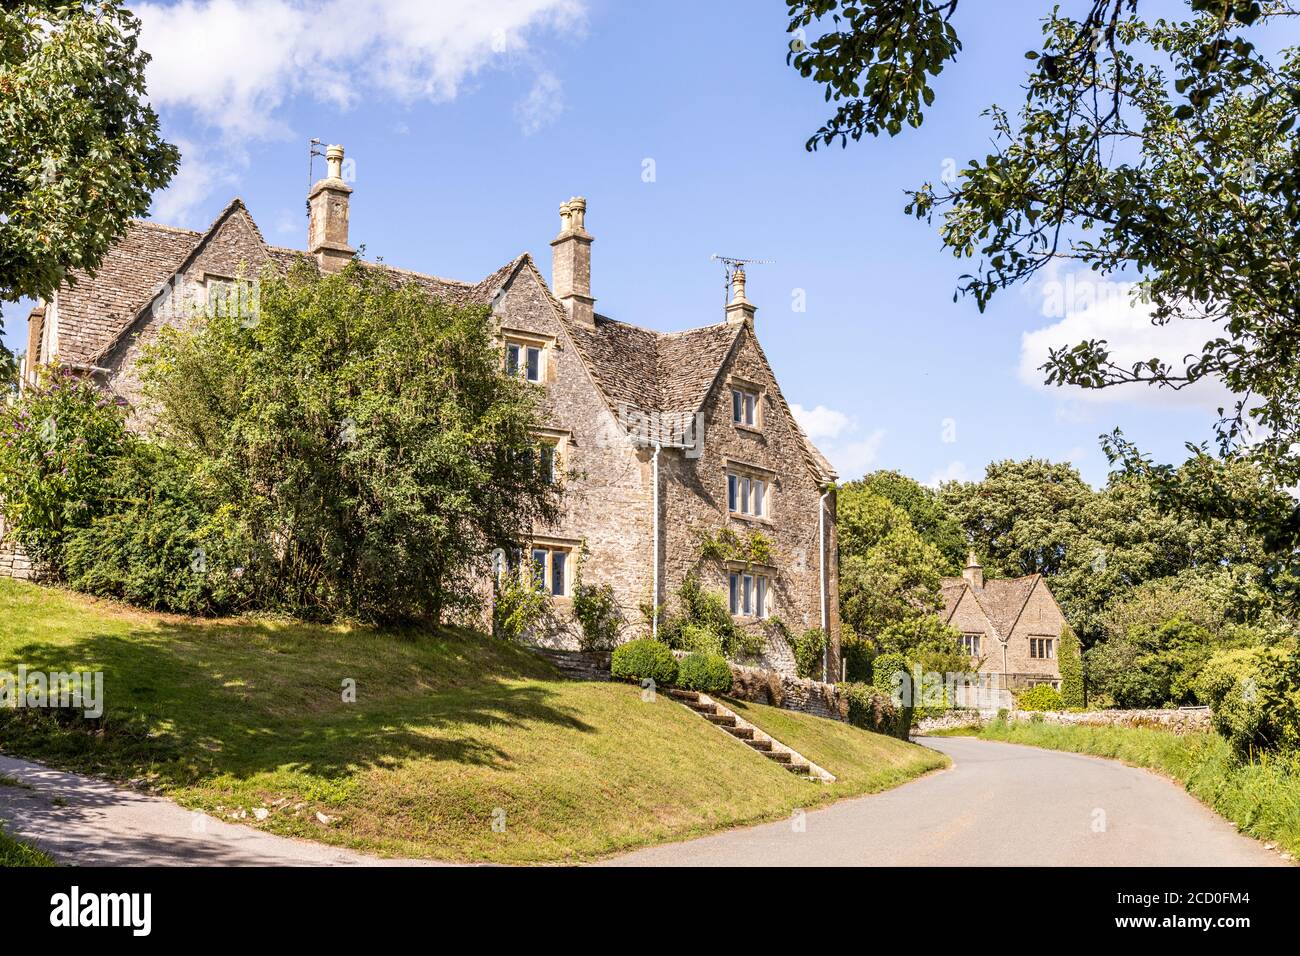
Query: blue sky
470,122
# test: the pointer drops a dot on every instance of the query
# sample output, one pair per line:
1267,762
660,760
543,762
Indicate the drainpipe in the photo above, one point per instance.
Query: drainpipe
654,597
821,573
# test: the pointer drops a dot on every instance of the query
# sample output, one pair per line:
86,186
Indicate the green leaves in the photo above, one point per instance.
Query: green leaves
364,433
1162,149
80,149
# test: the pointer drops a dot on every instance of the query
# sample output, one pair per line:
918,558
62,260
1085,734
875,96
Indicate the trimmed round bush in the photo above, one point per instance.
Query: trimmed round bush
1040,697
637,660
709,673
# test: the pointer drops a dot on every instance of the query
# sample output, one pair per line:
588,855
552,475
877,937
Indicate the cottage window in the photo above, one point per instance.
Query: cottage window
746,495
744,407
551,570
525,360
1041,648
748,594
970,643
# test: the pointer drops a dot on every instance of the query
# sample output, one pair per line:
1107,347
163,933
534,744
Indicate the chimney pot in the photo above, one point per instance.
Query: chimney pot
327,232
739,310
973,573
571,262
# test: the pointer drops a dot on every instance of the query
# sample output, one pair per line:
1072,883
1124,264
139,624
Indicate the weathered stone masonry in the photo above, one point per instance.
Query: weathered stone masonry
600,381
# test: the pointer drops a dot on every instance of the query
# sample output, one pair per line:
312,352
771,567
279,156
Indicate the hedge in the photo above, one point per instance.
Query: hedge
709,673
645,658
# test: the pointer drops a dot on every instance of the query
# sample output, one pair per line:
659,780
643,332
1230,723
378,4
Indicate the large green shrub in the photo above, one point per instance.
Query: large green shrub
1040,697
160,547
365,429
1255,698
1070,660
871,709
709,673
600,619
891,676
699,639
809,652
645,658
707,610
520,608
58,446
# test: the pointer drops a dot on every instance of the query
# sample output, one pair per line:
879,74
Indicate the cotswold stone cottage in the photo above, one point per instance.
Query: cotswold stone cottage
1011,627
661,439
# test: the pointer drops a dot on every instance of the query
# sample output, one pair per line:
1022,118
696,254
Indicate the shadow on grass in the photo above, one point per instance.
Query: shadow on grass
189,701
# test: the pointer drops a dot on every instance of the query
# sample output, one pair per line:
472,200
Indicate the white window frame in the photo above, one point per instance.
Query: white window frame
746,406
521,348
1045,644
749,594
972,644
748,496
545,564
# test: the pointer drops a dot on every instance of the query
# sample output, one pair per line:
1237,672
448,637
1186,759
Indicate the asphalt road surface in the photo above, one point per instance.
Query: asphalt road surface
999,804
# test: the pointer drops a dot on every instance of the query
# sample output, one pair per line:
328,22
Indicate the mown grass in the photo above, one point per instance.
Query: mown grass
1262,798
449,734
13,853
862,762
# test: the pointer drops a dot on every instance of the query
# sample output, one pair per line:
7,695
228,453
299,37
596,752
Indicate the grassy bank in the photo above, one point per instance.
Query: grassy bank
1263,799
13,853
449,733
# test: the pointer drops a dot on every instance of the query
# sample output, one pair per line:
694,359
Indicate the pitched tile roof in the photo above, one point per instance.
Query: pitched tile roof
94,309
1001,599
633,366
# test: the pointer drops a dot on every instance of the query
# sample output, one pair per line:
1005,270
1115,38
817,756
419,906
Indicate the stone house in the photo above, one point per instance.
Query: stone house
1011,627
660,438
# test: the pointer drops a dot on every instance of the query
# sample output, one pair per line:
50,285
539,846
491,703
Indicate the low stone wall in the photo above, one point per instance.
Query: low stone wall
14,563
793,693
957,717
1183,721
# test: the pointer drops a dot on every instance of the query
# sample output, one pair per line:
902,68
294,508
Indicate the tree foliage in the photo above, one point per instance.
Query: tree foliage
59,444
362,433
1163,149
80,149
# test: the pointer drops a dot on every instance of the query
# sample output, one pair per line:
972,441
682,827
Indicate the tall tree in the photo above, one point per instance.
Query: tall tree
1165,149
80,149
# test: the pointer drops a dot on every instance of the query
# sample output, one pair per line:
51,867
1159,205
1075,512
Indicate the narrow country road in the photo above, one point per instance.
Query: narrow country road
999,805
81,820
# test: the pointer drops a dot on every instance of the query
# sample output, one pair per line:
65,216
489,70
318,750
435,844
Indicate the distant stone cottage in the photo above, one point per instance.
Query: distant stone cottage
669,436
1010,627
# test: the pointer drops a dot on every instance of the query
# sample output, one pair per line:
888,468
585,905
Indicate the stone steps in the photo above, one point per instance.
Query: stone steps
727,720
578,665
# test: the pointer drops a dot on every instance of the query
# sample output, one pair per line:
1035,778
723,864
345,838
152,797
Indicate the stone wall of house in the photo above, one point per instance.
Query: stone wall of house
607,501
694,503
236,249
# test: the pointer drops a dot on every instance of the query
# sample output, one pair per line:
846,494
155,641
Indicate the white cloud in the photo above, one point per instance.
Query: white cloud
198,176
822,422
955,471
1095,308
544,102
834,433
230,65
852,459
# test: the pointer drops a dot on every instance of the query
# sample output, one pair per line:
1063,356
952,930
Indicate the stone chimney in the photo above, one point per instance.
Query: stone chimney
327,234
571,262
739,309
973,573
